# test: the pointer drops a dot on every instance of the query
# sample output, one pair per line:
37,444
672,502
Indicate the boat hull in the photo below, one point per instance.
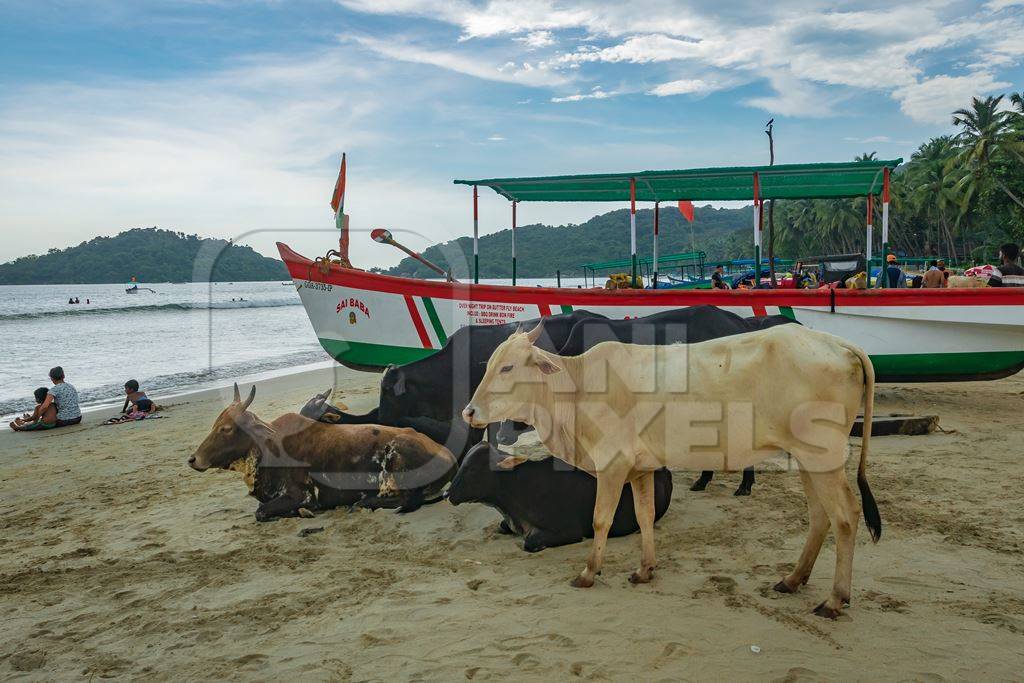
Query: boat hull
368,321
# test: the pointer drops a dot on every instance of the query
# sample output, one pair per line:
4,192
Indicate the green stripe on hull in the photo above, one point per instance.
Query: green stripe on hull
566,309
918,367
927,365
435,322
380,355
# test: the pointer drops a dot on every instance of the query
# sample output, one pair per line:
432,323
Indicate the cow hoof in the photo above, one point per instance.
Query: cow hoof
581,582
783,587
742,492
504,528
825,611
638,577
699,485
533,548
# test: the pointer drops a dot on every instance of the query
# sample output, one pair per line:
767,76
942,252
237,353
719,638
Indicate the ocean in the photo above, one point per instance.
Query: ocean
176,338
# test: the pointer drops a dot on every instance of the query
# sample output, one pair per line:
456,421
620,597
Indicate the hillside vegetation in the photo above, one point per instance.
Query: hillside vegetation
151,255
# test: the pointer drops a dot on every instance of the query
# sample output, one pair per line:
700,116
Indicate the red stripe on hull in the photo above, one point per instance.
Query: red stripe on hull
545,310
302,268
417,322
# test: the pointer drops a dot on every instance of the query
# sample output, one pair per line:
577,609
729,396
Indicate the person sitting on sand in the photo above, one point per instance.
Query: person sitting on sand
39,418
140,403
65,397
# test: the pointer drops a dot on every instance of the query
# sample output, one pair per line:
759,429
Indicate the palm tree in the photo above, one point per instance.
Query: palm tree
932,184
986,135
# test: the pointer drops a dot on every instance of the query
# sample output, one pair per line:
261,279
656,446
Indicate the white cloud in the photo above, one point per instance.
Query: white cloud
805,44
934,99
595,94
467,63
538,39
496,138
685,86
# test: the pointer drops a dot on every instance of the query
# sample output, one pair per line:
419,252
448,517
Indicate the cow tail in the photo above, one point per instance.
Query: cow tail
871,516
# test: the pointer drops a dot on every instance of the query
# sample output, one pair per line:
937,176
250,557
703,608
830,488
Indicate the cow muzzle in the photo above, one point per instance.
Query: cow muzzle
195,465
471,414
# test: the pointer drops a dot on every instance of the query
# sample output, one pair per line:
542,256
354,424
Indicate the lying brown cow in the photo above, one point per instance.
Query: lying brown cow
295,462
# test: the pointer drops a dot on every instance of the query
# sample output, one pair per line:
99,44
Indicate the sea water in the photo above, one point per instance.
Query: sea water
177,337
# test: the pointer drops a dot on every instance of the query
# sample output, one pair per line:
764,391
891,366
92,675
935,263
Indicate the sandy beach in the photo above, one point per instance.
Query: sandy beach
117,561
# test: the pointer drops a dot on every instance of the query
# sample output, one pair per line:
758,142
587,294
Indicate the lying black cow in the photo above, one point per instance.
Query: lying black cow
428,395
543,501
679,326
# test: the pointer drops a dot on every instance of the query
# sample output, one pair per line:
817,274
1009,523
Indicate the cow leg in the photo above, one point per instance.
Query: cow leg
843,512
609,490
539,539
282,506
817,530
702,481
643,505
746,484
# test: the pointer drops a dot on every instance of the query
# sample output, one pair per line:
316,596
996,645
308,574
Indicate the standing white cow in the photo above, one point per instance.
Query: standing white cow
621,411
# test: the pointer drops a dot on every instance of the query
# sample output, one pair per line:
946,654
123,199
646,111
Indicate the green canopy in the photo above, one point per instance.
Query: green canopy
786,181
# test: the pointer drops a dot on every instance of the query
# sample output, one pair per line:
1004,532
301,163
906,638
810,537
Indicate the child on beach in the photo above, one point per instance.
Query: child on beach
140,403
40,418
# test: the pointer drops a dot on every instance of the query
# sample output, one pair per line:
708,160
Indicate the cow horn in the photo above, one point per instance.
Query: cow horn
534,334
248,401
238,396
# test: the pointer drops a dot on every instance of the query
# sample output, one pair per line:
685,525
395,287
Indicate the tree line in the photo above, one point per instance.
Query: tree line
149,254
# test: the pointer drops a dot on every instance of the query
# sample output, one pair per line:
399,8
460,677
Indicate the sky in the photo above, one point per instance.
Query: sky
228,118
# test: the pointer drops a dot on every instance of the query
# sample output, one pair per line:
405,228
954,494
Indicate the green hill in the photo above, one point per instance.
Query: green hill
543,249
150,254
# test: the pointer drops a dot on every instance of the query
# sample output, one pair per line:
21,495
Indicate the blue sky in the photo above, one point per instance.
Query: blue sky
228,118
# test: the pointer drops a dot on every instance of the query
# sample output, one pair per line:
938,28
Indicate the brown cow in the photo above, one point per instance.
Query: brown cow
295,462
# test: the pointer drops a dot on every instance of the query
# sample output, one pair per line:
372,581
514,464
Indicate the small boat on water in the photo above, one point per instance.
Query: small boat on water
368,321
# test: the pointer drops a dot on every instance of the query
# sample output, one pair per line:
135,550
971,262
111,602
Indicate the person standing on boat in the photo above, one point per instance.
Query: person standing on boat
933,277
718,278
1009,274
892,276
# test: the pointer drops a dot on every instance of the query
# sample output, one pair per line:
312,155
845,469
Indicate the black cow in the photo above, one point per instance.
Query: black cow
543,501
679,326
428,395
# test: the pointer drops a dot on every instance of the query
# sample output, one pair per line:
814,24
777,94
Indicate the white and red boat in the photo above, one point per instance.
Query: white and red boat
368,321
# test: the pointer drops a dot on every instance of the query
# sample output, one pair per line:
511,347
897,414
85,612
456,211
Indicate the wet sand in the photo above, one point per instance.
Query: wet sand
118,561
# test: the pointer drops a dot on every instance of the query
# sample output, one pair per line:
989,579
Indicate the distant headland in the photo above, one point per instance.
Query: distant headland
149,254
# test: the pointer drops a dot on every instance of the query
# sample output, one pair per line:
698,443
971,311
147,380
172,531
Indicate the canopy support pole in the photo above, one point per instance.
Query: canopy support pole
632,227
885,224
514,243
654,282
869,241
476,238
757,229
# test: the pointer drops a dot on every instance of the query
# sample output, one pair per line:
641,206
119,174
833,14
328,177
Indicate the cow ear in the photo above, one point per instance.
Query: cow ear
511,462
333,418
546,362
399,387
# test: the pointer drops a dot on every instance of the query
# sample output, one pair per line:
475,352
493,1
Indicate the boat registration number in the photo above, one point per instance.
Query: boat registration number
322,286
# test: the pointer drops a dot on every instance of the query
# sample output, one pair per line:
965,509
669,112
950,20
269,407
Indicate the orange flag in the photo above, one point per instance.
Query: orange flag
338,199
686,208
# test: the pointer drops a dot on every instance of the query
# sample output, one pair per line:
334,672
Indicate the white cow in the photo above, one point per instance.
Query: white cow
621,411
